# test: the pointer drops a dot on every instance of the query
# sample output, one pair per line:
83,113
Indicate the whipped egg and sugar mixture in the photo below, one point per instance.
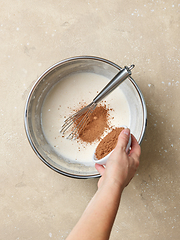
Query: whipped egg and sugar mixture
69,95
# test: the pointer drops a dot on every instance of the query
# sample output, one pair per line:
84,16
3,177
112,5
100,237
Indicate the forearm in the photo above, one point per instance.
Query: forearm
98,218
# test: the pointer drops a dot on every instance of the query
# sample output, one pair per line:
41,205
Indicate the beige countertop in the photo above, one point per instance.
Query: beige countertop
38,203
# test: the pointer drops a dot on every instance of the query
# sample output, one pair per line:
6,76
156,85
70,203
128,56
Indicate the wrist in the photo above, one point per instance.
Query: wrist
113,184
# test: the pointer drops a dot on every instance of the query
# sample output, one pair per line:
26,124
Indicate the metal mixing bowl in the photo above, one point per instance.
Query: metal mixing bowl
39,92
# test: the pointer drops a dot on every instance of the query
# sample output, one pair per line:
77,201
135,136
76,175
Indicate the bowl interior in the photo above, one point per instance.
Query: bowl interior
33,111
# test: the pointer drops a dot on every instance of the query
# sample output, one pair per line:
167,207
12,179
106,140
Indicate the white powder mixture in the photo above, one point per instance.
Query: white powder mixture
69,94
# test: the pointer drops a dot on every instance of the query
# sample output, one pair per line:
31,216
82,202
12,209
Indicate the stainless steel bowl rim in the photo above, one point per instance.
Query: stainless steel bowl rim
51,69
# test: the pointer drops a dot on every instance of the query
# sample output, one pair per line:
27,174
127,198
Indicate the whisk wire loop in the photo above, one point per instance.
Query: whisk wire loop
86,111
70,120
82,124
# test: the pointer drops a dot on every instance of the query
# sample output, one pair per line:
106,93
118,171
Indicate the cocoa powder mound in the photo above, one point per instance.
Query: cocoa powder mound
97,124
108,143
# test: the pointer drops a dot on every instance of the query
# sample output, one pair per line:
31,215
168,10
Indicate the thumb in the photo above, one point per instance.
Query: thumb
100,169
123,139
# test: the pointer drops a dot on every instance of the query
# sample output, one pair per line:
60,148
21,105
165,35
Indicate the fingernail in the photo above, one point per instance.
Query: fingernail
126,131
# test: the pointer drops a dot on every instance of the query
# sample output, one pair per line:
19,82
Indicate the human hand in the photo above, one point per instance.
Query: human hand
121,167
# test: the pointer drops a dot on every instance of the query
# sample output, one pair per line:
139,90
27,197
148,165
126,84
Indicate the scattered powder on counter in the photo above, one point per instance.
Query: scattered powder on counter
96,126
108,143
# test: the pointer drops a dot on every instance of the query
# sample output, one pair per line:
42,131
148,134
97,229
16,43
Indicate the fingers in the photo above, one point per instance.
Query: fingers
123,139
100,169
135,151
135,147
134,161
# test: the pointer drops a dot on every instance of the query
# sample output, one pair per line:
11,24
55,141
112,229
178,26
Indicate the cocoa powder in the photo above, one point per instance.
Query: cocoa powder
97,124
108,143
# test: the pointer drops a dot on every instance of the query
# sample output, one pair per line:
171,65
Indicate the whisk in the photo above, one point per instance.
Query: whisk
87,111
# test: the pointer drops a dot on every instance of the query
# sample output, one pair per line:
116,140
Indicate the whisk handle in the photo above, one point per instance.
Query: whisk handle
114,83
